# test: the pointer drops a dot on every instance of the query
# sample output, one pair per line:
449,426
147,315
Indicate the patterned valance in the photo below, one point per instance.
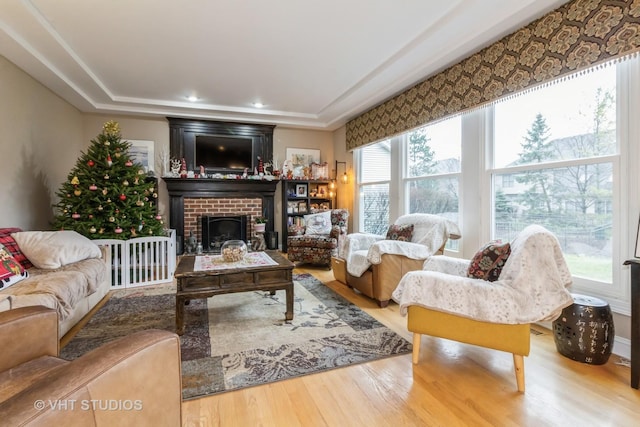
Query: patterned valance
573,37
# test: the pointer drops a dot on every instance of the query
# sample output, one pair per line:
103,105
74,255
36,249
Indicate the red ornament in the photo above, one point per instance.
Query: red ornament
123,197
109,162
91,163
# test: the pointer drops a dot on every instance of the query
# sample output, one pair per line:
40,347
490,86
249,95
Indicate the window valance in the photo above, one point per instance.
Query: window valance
573,37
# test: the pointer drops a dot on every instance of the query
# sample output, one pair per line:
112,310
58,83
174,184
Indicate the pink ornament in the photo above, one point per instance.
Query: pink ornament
158,217
123,197
128,163
75,215
118,230
93,187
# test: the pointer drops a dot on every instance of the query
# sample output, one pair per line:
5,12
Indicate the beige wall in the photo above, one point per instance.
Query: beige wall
40,139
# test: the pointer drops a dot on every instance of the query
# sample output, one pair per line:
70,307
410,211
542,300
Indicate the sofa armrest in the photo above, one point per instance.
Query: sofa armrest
27,333
134,380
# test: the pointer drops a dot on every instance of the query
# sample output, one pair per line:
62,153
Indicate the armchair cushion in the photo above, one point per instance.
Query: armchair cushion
489,260
319,223
532,286
402,233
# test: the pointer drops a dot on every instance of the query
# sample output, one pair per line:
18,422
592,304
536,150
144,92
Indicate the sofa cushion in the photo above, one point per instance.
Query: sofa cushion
10,269
488,261
53,249
319,223
10,243
403,233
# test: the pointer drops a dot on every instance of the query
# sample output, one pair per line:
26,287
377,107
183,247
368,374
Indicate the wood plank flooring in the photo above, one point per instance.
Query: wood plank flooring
453,385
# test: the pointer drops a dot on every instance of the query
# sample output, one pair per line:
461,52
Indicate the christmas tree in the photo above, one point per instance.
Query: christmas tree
106,195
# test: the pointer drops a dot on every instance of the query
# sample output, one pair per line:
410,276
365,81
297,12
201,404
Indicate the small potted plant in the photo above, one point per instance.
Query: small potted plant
260,224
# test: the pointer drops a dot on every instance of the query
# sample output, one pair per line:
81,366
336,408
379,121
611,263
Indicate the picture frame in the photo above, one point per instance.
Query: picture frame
143,152
301,190
323,191
303,156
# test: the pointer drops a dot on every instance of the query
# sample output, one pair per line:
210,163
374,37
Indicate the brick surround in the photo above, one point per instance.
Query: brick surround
196,207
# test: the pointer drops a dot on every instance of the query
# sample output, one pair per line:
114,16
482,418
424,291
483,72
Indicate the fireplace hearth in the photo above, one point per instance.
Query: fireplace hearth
218,229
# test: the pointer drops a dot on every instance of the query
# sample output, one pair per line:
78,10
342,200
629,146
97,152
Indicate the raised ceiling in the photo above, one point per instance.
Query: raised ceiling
313,64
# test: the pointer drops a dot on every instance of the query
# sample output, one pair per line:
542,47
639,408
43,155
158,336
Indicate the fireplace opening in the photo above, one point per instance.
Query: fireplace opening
218,229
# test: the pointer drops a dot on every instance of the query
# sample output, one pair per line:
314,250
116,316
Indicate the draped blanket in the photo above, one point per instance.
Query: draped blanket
430,233
532,286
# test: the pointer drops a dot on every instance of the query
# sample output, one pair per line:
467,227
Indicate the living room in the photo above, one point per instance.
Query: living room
44,132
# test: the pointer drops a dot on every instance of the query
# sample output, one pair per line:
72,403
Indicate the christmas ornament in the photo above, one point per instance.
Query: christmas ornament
90,216
118,230
91,163
93,187
107,143
158,217
101,231
128,163
75,215
77,192
155,195
92,230
75,180
100,208
125,183
109,162
112,219
106,176
133,232
105,191
118,154
141,172
123,197
140,226
108,200
135,181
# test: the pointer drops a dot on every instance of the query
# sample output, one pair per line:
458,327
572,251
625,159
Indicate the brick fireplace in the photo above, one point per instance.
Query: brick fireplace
191,198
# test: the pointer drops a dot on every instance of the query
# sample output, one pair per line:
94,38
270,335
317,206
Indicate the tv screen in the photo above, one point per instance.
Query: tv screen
223,153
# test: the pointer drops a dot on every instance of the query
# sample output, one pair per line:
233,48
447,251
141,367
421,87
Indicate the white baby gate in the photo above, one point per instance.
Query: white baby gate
141,261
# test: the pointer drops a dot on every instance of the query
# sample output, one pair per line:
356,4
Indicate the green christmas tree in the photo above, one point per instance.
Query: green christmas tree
106,195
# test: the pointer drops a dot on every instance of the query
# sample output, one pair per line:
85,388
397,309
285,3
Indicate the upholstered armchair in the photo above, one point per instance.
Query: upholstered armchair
376,263
531,286
320,238
135,380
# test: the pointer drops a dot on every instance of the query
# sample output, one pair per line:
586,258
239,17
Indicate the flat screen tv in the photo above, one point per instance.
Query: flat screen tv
222,154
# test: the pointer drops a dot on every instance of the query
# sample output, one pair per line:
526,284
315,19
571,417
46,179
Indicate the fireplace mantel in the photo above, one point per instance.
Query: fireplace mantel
179,188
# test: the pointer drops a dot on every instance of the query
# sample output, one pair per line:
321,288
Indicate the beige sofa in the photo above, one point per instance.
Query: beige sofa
69,275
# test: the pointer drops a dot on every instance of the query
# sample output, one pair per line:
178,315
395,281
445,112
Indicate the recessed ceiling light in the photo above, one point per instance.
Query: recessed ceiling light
192,98
258,104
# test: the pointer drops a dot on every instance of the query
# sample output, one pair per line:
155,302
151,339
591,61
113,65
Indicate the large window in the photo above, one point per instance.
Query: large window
374,176
563,156
555,151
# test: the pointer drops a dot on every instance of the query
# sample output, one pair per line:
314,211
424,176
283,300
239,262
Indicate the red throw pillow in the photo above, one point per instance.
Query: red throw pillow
12,246
488,261
10,270
403,233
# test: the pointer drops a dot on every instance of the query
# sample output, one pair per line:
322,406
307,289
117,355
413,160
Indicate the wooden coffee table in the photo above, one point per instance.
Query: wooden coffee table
205,284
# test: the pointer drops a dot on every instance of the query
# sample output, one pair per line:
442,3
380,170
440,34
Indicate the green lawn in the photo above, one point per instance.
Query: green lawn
597,268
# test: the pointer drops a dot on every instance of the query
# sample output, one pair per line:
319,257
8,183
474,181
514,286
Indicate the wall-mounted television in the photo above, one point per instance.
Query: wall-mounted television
218,153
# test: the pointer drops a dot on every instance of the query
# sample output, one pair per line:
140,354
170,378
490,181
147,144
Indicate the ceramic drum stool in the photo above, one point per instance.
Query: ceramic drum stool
584,332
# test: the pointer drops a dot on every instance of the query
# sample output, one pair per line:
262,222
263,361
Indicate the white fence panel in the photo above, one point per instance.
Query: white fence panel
141,261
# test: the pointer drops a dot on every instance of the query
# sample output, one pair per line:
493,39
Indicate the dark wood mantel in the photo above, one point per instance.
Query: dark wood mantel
179,188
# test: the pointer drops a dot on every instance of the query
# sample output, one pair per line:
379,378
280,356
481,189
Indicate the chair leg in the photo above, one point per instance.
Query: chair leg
518,365
416,348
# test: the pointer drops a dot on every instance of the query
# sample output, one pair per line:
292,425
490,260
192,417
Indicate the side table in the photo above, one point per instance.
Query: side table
635,321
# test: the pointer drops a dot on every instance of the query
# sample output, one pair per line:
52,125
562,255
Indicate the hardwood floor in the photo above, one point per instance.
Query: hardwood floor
452,385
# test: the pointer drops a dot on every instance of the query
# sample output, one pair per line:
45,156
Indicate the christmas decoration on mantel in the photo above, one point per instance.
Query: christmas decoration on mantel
106,195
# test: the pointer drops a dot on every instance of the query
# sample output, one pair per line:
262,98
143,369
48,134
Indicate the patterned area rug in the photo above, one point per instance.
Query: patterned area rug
241,340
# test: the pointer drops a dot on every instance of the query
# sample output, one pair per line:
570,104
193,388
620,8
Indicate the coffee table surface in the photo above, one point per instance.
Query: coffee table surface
185,266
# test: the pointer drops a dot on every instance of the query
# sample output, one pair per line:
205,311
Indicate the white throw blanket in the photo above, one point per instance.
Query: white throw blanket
532,286
430,232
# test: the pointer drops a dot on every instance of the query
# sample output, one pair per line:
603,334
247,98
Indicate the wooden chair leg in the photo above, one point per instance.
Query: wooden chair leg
416,348
518,365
